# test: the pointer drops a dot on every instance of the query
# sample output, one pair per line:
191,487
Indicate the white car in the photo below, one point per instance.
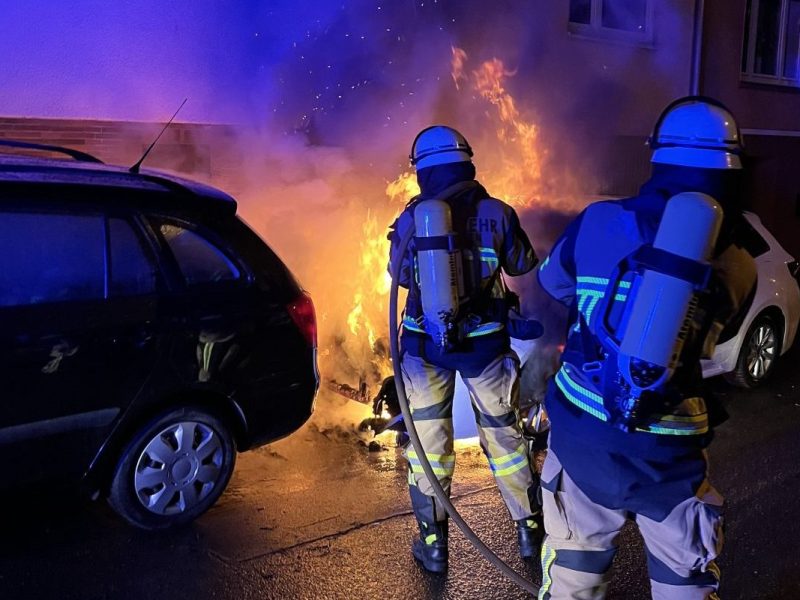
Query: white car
747,349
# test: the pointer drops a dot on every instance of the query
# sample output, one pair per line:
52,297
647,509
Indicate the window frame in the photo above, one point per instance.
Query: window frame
147,244
594,30
87,212
748,73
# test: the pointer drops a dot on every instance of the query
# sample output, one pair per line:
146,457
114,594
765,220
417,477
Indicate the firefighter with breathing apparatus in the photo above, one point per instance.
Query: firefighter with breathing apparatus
650,282
456,320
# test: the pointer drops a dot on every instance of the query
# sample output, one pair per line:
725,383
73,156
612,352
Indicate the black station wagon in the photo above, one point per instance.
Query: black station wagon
147,334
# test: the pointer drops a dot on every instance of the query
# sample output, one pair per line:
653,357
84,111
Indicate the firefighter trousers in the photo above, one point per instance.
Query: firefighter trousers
582,539
495,398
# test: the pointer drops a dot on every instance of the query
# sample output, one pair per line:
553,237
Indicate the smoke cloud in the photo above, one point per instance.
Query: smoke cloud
326,98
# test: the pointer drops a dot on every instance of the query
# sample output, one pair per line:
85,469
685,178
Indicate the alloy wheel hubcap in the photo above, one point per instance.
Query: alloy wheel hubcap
761,352
178,468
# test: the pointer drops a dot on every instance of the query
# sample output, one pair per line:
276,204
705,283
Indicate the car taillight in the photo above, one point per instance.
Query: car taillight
302,312
794,268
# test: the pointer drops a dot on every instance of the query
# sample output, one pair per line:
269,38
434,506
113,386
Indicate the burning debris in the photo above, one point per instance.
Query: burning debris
360,394
386,414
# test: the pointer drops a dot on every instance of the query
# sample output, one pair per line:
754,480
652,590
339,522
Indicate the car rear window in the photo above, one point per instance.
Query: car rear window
272,273
51,258
199,260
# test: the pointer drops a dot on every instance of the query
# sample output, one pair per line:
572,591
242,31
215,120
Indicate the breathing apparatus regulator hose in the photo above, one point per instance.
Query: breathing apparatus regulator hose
394,343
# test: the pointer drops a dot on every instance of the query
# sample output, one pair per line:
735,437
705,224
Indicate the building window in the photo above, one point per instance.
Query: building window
772,42
625,20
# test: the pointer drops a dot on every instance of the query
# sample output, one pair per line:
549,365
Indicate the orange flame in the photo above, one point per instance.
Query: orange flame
403,188
374,253
457,66
513,173
367,317
516,175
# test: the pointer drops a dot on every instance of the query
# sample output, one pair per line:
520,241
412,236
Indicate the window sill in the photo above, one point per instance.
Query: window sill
593,33
771,80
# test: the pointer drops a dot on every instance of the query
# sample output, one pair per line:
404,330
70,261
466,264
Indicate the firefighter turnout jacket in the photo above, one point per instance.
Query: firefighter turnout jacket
490,238
660,463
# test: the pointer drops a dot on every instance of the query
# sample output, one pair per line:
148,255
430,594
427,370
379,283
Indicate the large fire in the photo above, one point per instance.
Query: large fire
512,172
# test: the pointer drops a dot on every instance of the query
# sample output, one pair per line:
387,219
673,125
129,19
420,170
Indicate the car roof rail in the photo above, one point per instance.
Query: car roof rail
76,154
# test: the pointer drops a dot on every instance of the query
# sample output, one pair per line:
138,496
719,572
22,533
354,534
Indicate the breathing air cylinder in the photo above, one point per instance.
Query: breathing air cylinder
439,268
664,300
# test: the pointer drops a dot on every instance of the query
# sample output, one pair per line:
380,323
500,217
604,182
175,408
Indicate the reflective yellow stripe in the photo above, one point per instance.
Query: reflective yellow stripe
679,424
592,305
441,464
672,431
512,469
592,403
441,458
485,329
682,418
446,471
430,539
590,292
501,460
411,325
548,558
515,461
488,255
592,280
579,395
602,281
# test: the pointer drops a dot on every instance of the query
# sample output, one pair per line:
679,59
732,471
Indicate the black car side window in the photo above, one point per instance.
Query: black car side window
132,273
51,258
199,260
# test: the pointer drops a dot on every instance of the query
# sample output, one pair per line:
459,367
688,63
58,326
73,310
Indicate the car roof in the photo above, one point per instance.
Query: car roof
16,170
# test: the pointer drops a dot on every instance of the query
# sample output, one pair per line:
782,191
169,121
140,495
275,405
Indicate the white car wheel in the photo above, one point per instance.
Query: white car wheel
760,350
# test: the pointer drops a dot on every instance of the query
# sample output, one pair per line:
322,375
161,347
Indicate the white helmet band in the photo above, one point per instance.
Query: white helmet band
697,131
438,145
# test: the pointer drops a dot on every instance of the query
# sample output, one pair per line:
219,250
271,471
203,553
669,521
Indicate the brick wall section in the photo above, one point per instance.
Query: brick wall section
208,153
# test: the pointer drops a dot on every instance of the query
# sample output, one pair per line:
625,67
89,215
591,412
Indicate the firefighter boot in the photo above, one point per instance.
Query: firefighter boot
530,532
431,547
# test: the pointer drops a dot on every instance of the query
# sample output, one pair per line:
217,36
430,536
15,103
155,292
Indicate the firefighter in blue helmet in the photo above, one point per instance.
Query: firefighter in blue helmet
458,323
629,417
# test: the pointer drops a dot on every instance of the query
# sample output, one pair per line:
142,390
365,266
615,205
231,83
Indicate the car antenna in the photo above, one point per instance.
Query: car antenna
135,168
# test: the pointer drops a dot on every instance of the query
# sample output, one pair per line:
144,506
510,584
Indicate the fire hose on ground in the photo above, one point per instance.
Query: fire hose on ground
487,553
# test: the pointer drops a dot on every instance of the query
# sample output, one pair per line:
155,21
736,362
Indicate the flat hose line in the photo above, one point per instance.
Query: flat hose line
394,345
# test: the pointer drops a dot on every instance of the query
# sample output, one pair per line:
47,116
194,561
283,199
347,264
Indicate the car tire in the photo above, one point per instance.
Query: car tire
174,469
760,349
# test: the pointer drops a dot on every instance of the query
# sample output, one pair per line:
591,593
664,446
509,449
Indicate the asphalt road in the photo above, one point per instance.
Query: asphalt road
319,516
